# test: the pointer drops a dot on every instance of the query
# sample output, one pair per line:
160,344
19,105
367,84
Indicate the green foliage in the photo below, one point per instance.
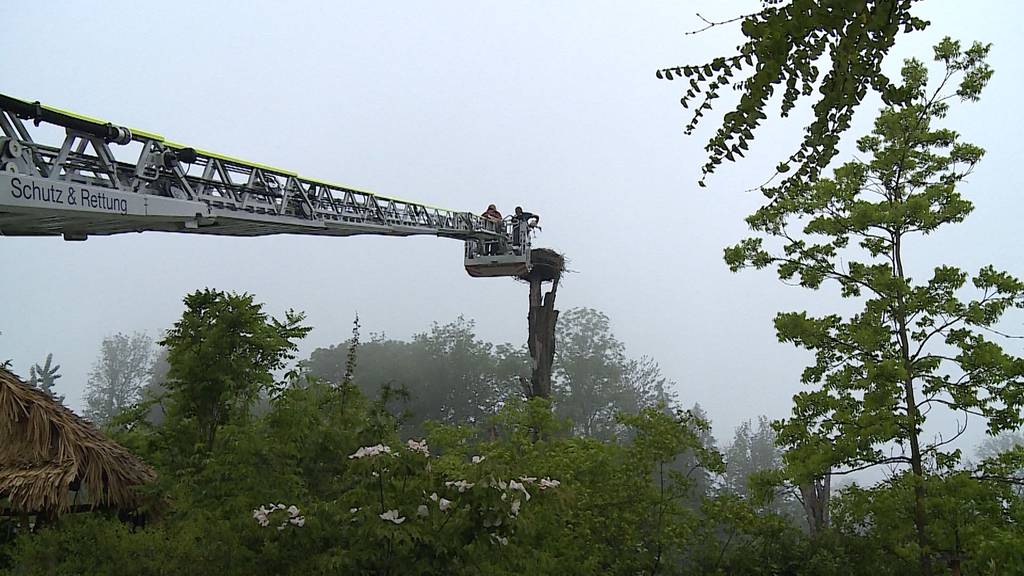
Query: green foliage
913,346
975,525
523,499
222,355
908,187
785,44
322,482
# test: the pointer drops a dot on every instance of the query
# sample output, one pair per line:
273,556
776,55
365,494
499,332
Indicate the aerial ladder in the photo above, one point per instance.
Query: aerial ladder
79,188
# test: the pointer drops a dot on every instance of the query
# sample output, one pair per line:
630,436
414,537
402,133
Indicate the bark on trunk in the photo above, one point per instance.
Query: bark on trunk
542,320
815,495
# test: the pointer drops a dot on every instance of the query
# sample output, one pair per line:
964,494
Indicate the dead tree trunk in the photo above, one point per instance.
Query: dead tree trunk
542,320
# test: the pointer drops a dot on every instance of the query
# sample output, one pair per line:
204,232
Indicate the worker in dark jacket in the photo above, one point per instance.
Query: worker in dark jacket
520,217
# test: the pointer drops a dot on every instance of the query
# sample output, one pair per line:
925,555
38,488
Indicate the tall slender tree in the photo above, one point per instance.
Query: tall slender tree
913,346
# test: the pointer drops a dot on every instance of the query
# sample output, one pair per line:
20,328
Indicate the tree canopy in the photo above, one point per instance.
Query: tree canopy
222,355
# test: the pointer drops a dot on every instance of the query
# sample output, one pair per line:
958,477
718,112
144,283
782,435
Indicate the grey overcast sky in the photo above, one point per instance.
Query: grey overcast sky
459,104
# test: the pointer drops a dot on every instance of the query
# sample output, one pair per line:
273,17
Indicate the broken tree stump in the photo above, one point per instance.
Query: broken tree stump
548,266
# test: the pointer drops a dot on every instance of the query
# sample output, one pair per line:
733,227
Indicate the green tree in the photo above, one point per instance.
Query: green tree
975,526
595,380
913,346
222,353
785,44
117,377
45,377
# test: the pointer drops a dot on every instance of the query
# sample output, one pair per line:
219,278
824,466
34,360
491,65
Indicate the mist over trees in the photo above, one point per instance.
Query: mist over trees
452,376
426,456
115,382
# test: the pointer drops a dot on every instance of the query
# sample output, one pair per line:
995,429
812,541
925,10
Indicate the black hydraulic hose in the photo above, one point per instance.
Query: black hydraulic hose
36,112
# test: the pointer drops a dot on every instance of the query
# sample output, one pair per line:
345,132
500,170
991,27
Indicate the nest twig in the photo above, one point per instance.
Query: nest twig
547,266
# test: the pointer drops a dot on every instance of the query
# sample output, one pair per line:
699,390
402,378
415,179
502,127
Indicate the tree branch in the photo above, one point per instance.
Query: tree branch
711,24
865,466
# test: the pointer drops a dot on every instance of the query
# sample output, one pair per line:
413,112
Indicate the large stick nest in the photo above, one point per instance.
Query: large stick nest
547,266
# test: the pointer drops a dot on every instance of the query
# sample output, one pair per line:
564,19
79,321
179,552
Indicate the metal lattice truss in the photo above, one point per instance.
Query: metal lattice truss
79,188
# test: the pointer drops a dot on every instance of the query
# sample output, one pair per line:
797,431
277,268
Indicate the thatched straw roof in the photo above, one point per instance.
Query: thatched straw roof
546,265
46,451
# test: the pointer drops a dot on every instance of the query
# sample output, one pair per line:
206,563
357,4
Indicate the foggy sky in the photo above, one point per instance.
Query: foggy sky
460,104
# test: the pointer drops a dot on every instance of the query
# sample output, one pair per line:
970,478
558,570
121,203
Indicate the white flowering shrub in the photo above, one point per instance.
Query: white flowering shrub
412,503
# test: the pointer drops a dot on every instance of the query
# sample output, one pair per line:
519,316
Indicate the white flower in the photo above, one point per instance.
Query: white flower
478,459
353,510
499,539
546,482
513,485
392,516
434,496
444,504
422,510
515,507
262,515
462,485
528,479
420,447
366,451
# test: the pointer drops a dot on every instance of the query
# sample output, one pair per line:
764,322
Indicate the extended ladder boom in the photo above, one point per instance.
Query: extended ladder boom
79,188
